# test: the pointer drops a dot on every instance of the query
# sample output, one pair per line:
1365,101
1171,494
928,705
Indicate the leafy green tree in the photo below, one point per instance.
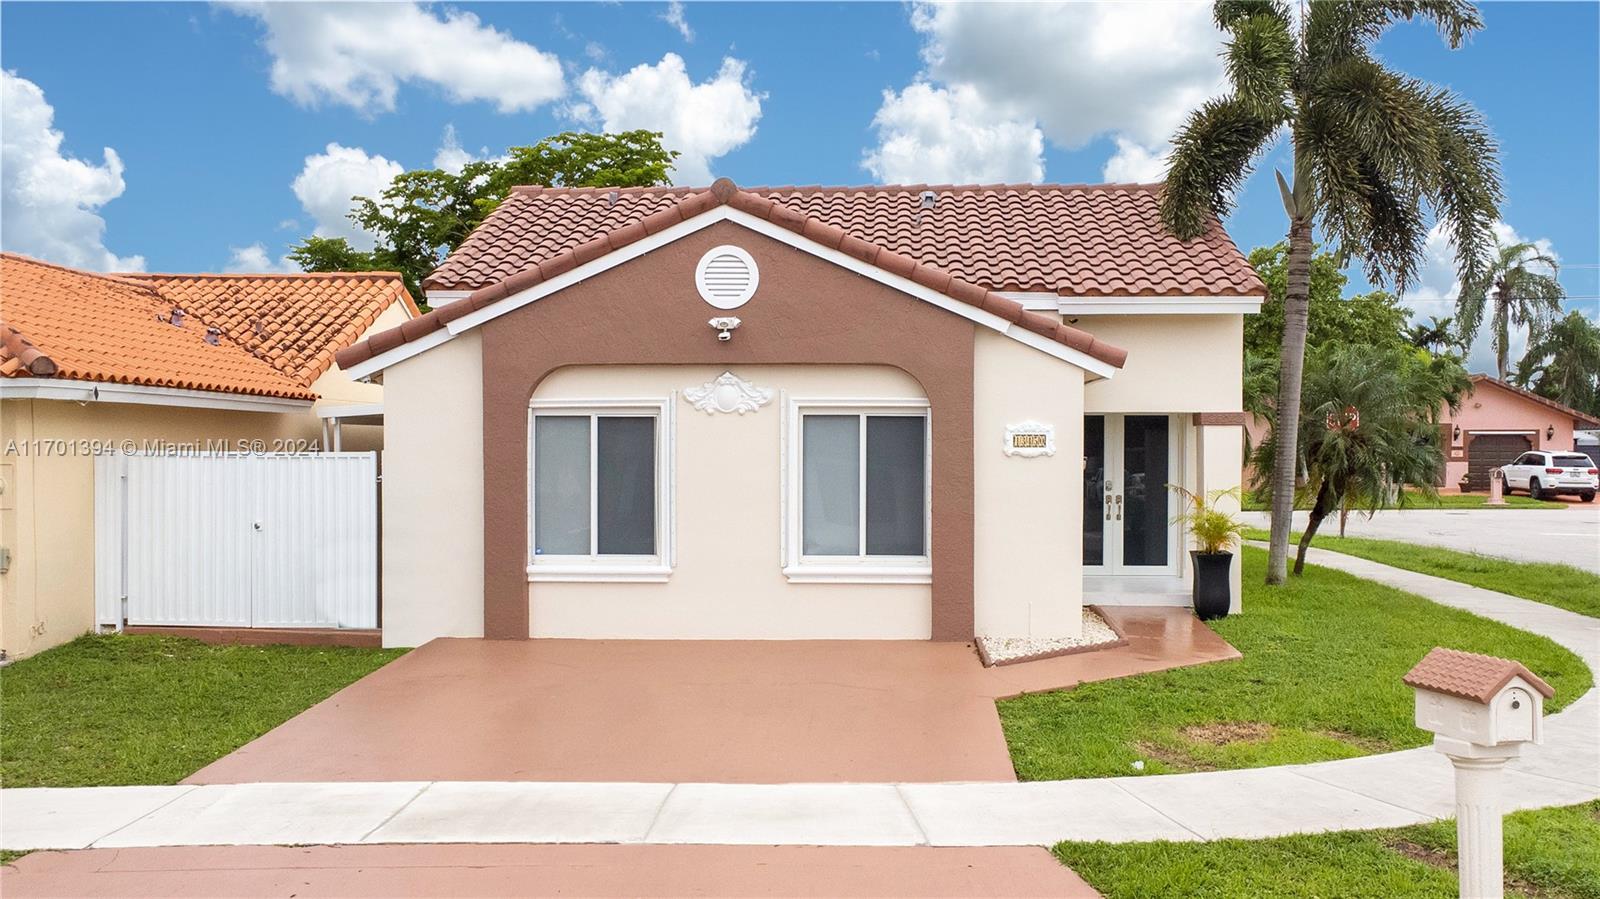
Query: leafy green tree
1435,335
1521,290
1373,148
1375,318
424,214
1370,427
1564,364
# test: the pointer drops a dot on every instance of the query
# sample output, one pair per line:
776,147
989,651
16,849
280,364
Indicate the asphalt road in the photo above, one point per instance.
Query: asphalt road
1570,535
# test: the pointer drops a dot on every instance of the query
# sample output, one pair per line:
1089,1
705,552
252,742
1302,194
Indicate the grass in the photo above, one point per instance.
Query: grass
1442,501
1549,853
1320,679
1569,588
103,711
7,856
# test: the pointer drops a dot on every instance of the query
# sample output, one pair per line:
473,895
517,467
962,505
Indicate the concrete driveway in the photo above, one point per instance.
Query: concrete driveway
1570,535
687,711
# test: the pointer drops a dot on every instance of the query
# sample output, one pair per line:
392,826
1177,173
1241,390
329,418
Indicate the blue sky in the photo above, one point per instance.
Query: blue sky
214,112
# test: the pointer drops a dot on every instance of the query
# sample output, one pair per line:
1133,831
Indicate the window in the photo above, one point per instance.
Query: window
598,488
858,492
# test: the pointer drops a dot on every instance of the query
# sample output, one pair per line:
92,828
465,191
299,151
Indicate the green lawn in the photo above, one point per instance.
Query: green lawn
1442,501
1320,679
1558,585
1550,853
152,710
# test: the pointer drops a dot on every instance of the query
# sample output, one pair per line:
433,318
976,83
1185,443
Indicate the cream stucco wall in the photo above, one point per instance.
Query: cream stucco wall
1176,363
1028,542
728,582
433,494
1219,453
47,499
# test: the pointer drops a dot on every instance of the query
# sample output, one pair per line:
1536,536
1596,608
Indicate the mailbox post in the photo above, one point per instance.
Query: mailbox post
1481,710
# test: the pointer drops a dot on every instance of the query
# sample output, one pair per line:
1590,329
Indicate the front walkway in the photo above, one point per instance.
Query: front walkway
725,711
1376,791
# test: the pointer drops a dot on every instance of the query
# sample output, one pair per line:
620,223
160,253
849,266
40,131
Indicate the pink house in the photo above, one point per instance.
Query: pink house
1498,422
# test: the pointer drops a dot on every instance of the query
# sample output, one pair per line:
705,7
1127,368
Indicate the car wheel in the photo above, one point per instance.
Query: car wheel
1534,490
1586,496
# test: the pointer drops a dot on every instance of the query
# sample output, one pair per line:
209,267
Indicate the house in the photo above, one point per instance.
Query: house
1497,423
93,364
900,412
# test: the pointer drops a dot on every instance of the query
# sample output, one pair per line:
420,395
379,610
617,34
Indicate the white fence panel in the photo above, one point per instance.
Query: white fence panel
238,540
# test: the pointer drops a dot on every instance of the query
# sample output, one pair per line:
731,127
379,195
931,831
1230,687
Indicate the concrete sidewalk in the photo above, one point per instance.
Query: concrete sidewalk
1375,791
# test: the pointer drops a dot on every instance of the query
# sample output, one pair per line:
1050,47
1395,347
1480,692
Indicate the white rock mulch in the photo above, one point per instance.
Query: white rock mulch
1001,650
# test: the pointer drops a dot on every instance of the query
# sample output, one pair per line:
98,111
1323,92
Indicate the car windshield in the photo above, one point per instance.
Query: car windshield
1574,461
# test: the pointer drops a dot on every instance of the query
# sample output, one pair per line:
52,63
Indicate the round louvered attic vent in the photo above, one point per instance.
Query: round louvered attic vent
726,277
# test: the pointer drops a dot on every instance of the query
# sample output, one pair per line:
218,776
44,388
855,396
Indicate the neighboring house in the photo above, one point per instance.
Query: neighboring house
96,363
889,412
1497,423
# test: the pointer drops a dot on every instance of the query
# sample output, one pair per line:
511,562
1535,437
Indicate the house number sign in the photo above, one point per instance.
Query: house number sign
1030,439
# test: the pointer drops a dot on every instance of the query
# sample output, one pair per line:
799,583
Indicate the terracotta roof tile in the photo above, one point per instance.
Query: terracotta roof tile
1470,676
94,327
1074,240
296,322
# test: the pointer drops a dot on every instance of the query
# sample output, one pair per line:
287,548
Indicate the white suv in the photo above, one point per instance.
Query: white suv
1547,474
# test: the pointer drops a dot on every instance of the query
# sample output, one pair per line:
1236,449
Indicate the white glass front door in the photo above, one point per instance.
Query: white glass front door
1128,509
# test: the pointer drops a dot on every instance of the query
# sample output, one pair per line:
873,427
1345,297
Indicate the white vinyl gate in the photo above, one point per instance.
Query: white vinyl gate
227,540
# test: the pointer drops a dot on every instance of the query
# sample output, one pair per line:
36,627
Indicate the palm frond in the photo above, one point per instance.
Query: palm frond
1260,58
1466,190
1211,155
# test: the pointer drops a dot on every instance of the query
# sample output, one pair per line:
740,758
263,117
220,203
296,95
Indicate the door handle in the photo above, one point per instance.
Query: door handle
1119,507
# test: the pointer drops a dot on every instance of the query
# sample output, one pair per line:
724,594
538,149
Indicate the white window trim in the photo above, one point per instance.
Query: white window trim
613,569
862,569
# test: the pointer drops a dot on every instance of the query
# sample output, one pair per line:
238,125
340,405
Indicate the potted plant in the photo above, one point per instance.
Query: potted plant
1215,532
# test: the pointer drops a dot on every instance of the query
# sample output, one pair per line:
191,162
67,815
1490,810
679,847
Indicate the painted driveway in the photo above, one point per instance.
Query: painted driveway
674,711
489,871
1570,535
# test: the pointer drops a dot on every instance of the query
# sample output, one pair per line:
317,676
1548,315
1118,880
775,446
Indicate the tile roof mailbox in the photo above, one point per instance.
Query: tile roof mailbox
1480,710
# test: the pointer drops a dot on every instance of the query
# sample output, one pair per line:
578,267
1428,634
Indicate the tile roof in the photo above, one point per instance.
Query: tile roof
77,325
1071,240
1580,420
296,322
1469,676
725,192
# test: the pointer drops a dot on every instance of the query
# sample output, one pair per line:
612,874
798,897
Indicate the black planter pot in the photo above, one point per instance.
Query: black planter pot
1212,593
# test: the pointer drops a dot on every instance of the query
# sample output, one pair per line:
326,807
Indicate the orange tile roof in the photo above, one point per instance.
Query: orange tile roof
1469,675
296,322
77,325
725,192
1072,240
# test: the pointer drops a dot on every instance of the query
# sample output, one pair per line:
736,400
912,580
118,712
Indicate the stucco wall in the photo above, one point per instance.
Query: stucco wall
728,581
1028,543
1176,363
1493,408
47,507
433,495
1220,461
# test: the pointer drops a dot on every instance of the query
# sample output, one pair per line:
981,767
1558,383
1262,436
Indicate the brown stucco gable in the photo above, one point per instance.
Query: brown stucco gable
807,311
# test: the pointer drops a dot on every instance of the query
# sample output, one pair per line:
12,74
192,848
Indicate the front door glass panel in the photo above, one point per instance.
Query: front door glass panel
1145,495
1094,490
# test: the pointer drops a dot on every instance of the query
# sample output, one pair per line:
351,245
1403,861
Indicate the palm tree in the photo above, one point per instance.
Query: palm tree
1372,147
1437,334
1370,429
1520,286
1565,362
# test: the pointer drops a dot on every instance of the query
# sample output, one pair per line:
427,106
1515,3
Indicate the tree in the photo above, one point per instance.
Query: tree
1520,287
1375,318
1436,335
1564,364
424,214
1370,427
1372,148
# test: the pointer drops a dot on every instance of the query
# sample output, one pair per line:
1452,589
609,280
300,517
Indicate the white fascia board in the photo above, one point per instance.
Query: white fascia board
98,392
761,226
349,410
1104,305
437,298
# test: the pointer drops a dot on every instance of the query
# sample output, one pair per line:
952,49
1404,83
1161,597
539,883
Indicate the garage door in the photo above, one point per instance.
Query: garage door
1486,452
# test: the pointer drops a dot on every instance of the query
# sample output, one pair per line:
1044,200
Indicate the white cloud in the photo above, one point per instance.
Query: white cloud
330,178
938,135
674,17
701,121
1077,71
358,54
450,156
48,201
1437,288
254,259
1135,163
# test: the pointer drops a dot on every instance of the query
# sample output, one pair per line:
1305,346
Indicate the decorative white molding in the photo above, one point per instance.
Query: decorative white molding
728,393
727,277
1030,439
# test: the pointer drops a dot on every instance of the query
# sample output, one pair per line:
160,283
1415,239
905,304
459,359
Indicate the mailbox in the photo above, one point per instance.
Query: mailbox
1477,699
